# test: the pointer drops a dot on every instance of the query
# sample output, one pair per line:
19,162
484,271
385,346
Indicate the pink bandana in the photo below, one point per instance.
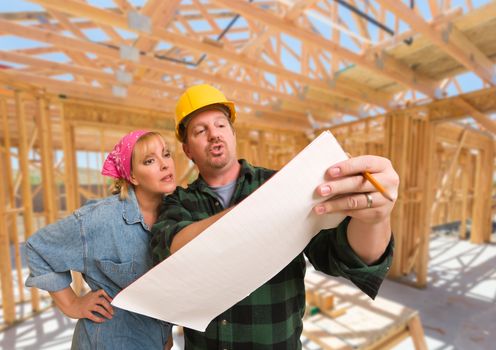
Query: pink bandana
118,162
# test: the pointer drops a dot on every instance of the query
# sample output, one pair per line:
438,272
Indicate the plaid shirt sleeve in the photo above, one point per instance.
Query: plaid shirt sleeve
330,252
271,316
172,219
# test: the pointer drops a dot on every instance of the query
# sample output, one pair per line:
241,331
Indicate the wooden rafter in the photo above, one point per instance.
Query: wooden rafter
265,117
103,16
481,118
147,63
391,68
297,8
250,59
450,39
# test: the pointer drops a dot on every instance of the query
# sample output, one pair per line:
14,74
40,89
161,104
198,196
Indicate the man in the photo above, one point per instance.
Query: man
359,249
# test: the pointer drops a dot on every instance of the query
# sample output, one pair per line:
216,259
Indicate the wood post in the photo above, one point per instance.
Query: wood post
7,172
25,182
481,215
417,333
8,301
71,182
426,173
46,151
102,158
409,145
396,131
465,189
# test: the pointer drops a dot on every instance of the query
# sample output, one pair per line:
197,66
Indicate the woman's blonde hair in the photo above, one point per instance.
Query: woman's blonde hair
121,186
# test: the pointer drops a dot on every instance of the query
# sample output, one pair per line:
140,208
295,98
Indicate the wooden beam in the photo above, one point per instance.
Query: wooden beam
7,287
448,109
481,118
402,73
124,5
450,174
451,40
147,63
475,138
114,19
434,8
27,200
83,71
46,151
297,9
289,114
66,24
160,13
360,22
74,89
9,180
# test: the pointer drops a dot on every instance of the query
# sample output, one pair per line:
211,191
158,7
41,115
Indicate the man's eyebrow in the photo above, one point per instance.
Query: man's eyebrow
197,125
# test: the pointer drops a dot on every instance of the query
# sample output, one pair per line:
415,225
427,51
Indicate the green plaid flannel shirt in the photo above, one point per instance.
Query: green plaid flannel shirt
271,316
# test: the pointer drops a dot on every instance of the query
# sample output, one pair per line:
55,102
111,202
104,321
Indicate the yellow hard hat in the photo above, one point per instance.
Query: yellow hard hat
197,97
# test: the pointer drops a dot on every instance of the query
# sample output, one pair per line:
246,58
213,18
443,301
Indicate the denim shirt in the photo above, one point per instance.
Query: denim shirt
109,243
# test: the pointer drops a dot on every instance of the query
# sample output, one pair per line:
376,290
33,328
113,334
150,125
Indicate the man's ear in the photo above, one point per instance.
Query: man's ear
186,150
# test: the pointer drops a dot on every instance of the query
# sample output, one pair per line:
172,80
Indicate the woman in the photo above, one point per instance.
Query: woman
108,242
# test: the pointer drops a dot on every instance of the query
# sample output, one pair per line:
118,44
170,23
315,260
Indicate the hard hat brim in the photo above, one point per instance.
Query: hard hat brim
186,119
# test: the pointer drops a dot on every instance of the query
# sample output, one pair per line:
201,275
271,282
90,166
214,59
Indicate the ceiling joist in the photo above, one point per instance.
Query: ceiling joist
292,62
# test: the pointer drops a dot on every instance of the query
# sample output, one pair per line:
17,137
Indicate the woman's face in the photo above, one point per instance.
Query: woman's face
153,169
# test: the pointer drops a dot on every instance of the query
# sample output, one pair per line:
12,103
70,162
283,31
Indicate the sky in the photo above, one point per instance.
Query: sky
468,81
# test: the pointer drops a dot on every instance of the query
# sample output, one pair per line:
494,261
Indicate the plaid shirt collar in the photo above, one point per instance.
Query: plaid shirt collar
246,171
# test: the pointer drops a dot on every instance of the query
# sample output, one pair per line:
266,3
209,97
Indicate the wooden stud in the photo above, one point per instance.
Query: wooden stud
427,148
71,184
46,151
12,198
465,189
25,182
417,333
8,302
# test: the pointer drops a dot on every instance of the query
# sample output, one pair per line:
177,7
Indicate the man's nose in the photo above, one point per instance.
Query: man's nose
213,134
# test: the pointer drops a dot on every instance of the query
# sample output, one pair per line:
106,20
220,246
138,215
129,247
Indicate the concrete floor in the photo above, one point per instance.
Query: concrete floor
457,309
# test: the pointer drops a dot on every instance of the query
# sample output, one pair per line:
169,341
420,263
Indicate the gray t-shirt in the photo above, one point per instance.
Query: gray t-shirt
224,193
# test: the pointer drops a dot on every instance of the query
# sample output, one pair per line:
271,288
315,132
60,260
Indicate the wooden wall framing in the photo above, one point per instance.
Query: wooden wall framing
49,148
51,141
446,175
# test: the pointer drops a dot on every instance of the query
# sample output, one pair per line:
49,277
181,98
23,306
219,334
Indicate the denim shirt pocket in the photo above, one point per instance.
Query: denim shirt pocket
120,273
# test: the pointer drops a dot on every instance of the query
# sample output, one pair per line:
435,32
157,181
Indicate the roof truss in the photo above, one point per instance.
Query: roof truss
298,62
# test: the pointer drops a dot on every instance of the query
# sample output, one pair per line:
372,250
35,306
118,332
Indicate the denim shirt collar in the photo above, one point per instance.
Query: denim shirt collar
130,210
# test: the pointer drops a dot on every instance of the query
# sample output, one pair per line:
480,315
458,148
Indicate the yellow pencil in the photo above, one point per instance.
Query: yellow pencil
377,185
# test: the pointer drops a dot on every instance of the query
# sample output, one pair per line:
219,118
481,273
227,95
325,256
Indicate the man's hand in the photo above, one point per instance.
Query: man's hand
350,193
86,306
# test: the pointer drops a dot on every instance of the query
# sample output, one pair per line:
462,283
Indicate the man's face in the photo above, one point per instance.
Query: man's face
211,142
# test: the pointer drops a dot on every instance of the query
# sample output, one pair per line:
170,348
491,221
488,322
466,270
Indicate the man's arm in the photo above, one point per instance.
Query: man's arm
177,226
369,231
188,233
369,241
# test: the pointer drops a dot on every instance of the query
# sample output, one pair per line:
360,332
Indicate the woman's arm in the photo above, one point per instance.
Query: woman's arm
52,252
86,306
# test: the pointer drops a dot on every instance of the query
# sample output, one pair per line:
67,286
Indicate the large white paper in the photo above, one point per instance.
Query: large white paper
241,251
